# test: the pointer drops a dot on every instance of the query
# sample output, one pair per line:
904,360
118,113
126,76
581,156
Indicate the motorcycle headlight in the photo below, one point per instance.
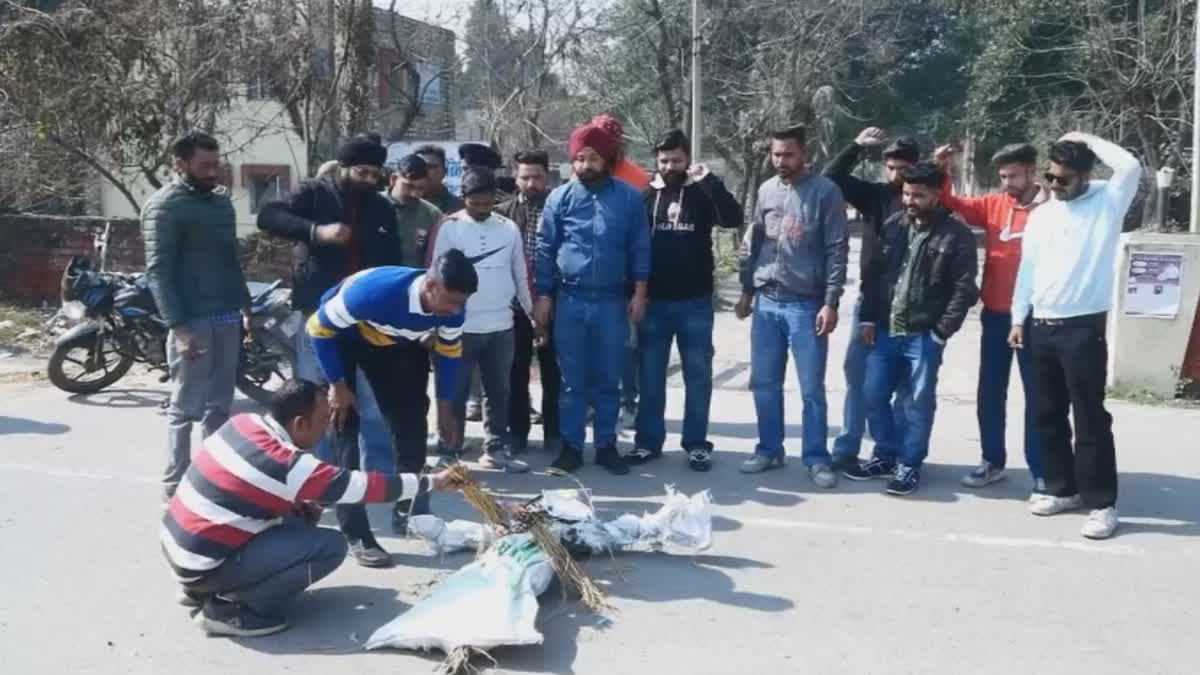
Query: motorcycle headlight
74,310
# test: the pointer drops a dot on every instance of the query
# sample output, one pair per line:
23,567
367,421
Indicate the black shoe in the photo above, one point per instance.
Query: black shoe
699,459
905,481
612,460
843,463
641,456
870,469
569,460
224,618
370,554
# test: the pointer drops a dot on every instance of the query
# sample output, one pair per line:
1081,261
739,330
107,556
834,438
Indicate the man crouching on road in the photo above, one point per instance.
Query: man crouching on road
240,532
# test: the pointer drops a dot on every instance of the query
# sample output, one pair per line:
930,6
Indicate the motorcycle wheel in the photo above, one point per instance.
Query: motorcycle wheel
69,368
266,363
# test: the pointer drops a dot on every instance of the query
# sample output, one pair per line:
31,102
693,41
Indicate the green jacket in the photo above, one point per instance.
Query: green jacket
192,260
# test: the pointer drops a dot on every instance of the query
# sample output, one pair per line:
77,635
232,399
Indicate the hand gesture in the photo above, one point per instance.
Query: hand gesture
742,309
944,157
827,320
870,136
333,234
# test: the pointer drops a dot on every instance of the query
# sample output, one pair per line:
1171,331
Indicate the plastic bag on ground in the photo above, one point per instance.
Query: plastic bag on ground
684,522
490,602
453,536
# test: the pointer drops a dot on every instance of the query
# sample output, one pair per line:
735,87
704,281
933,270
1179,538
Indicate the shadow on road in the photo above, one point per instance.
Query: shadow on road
123,398
332,620
22,425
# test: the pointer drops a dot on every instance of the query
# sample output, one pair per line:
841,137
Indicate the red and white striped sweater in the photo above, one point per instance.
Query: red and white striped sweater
244,479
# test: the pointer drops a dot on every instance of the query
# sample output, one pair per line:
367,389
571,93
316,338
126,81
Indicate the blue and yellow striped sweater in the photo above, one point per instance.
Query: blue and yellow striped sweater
382,306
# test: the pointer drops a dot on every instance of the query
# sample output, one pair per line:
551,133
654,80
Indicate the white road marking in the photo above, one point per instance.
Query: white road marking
1108,548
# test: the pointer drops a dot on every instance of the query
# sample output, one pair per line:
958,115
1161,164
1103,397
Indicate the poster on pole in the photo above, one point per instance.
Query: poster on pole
1153,288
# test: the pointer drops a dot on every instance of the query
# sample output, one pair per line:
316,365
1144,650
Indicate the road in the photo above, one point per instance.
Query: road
949,580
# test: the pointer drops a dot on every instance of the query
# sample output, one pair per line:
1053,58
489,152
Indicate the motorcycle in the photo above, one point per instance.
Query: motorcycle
119,325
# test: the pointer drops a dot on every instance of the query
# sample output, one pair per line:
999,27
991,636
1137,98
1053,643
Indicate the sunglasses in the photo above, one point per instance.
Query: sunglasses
1055,179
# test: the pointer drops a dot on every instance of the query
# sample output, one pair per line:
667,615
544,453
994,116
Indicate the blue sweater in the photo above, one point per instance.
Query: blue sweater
592,241
382,305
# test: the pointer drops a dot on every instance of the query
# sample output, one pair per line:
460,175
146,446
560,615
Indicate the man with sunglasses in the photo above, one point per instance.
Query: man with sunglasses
1002,215
1065,282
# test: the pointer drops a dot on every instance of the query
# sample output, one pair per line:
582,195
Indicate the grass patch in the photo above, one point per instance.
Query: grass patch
1186,398
24,326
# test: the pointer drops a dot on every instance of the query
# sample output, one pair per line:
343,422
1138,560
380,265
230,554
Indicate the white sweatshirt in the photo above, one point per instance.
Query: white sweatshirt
1068,256
494,247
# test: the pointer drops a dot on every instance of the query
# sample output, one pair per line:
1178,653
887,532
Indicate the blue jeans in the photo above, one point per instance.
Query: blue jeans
373,435
991,401
630,379
690,322
914,359
775,327
589,336
854,411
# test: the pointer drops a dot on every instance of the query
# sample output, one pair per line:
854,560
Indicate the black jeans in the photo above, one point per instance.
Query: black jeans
518,409
399,376
1070,368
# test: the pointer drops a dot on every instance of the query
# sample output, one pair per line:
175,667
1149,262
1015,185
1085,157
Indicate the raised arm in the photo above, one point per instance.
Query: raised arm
858,192
1127,170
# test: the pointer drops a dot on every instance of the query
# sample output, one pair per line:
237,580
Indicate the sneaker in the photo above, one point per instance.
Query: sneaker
193,600
628,418
371,555
905,481
843,463
700,459
1039,490
641,456
474,411
224,618
759,463
502,460
1050,505
983,475
612,460
822,476
870,469
1101,523
569,460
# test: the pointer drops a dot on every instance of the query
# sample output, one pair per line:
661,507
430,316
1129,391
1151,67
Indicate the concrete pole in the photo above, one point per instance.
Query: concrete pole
1195,216
697,131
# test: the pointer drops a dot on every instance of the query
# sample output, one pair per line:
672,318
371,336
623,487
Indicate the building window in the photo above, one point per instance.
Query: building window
258,87
431,83
265,183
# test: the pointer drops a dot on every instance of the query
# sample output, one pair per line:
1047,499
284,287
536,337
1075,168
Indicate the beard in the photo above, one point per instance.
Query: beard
591,175
199,184
674,178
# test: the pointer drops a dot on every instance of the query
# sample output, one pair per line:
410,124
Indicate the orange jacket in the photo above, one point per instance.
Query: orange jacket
1003,221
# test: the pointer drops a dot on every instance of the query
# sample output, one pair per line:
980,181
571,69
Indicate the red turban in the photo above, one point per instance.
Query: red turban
610,124
596,138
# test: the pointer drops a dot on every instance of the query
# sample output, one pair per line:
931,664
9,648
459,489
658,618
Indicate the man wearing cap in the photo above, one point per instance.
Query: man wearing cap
594,241
341,224
415,217
875,203
493,245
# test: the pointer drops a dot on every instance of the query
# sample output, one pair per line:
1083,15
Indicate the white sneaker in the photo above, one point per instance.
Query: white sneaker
1049,505
1101,523
1039,490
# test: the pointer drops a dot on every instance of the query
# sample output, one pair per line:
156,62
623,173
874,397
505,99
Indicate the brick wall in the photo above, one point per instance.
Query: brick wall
37,248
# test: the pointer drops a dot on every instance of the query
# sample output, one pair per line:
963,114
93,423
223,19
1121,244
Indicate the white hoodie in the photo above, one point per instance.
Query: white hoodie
494,247
1068,257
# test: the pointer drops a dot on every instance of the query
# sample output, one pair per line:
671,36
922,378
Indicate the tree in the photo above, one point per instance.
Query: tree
109,83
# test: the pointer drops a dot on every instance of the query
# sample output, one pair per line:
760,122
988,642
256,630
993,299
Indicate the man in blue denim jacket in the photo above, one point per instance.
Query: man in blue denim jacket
594,241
